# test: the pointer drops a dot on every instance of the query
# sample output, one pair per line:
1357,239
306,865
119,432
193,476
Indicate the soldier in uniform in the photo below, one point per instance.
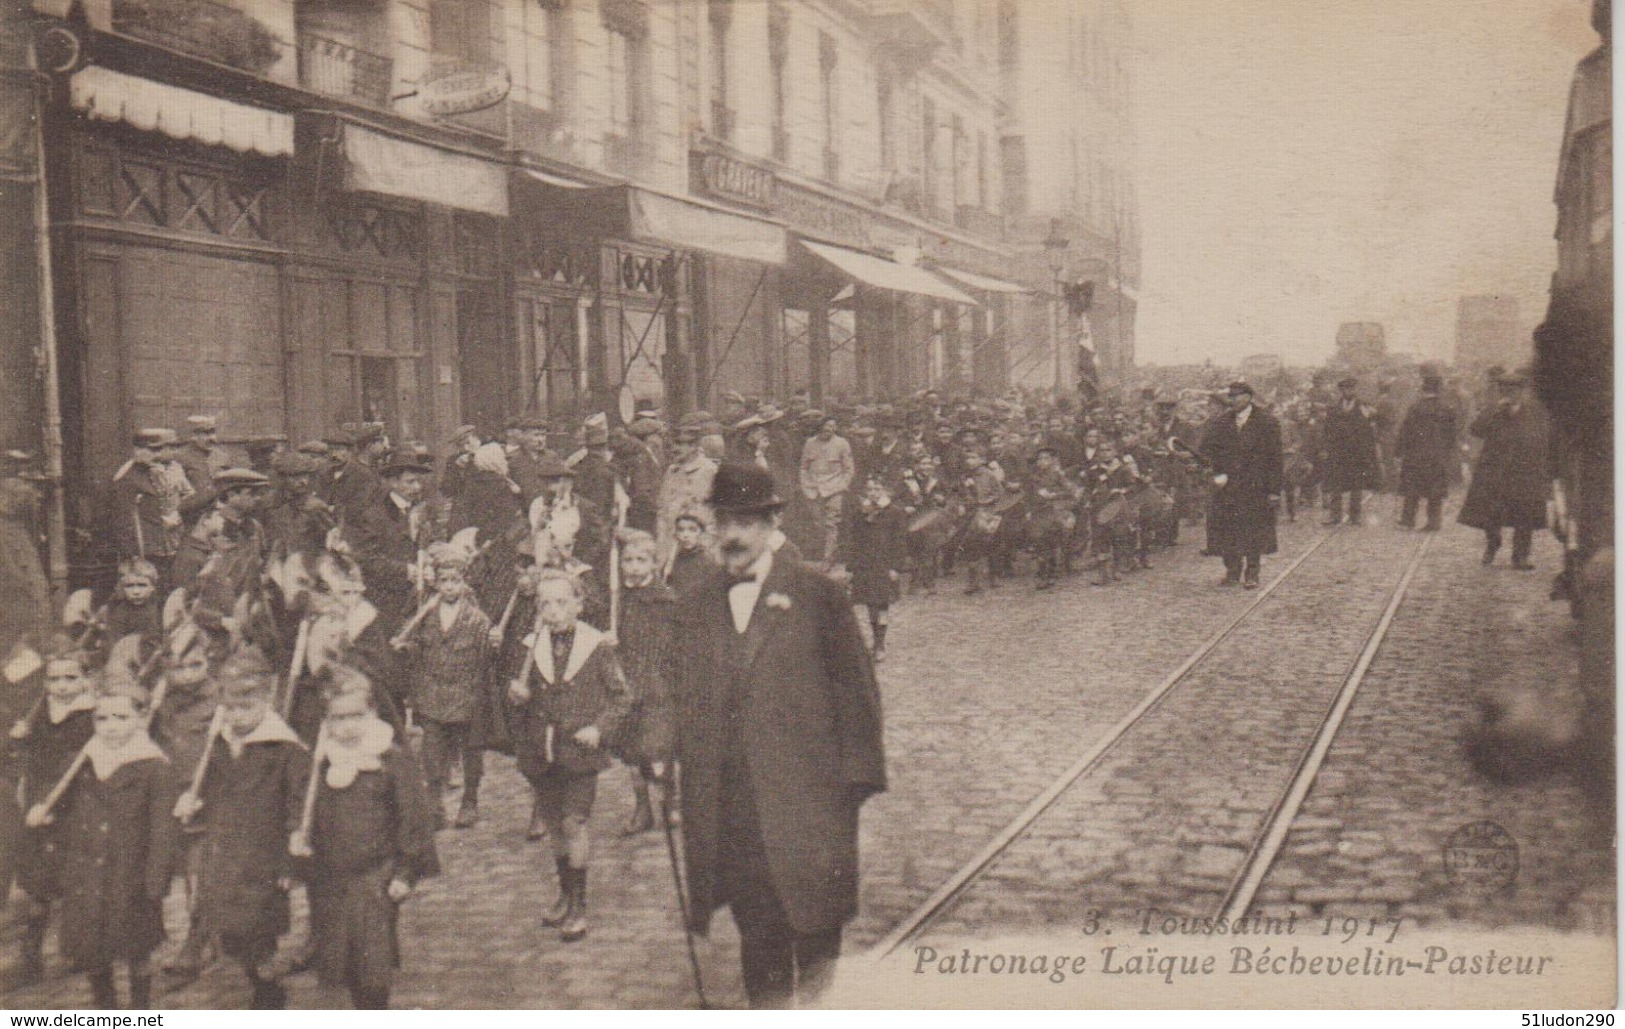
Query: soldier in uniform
686,484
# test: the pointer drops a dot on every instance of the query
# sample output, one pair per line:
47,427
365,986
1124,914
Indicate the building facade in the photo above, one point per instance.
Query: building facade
293,214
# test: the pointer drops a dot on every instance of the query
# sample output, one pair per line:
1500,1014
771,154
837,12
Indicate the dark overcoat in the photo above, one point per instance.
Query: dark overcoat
796,695
1349,460
1512,478
876,546
1241,519
375,829
1426,448
118,842
40,758
449,665
646,651
385,550
250,805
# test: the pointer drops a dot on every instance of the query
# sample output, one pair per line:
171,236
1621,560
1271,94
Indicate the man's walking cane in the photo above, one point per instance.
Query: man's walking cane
682,903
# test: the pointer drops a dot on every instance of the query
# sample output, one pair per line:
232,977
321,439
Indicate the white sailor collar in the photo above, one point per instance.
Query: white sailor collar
586,641
106,760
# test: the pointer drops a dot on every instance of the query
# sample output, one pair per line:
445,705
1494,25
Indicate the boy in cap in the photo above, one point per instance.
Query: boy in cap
451,650
253,786
143,506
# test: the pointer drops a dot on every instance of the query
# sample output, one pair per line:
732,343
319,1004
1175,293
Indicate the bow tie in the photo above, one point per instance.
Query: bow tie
740,580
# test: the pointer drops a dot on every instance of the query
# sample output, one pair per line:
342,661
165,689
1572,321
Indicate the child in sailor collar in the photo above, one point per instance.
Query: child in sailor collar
44,744
369,843
116,838
573,698
253,781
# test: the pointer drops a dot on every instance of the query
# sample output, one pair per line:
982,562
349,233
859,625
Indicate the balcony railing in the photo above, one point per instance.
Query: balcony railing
342,69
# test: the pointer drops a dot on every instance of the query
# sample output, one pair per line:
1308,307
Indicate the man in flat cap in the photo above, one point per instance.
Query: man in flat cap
1242,447
143,507
1426,448
1349,453
1513,477
686,484
780,744
201,455
350,485
296,520
525,463
388,535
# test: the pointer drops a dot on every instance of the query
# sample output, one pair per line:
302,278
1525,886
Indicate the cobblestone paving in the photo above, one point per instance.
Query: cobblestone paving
1369,839
1165,818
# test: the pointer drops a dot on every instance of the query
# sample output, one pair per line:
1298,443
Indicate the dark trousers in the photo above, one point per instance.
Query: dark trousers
782,967
1356,505
1407,513
1237,566
1523,541
441,740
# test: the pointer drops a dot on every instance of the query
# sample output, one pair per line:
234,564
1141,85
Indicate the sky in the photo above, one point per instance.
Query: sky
1303,163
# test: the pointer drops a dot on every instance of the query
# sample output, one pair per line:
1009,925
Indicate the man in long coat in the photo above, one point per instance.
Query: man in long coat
779,743
1349,457
1242,447
1426,448
388,535
1512,478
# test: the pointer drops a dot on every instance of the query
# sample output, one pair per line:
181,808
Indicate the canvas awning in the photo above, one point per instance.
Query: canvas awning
883,274
376,163
985,283
106,95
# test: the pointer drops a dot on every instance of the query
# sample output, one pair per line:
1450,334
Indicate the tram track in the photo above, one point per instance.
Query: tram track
1264,841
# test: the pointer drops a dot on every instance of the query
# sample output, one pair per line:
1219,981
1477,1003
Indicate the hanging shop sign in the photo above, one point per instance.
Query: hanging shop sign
462,89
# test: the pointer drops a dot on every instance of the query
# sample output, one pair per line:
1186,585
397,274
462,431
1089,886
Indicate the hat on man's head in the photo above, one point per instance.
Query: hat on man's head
202,422
462,433
313,448
340,438
552,466
403,460
769,412
645,427
531,422
1432,384
1512,379
1347,381
297,462
742,488
1239,387
595,430
695,424
368,432
239,478
1167,400
152,439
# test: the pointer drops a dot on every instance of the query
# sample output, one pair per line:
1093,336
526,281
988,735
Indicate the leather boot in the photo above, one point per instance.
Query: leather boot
468,811
575,923
562,907
643,817
140,990
537,828
32,959
102,995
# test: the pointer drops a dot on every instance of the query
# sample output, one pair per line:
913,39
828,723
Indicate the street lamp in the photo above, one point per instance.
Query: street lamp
1055,246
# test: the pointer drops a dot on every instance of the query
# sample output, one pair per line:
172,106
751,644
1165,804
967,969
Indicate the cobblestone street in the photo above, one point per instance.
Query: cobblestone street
989,698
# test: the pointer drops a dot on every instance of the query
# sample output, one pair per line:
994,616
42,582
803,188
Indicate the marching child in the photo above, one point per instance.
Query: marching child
44,744
877,546
573,697
370,841
451,650
115,833
135,608
645,648
246,803
180,727
692,560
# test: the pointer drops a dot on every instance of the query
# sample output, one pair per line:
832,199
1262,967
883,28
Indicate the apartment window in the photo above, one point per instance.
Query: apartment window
722,116
461,30
958,162
1009,38
983,197
830,101
778,55
888,127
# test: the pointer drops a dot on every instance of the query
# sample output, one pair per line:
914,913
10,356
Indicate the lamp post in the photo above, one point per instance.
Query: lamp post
1055,246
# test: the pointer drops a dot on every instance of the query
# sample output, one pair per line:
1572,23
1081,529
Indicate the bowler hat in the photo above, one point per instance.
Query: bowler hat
743,489
695,424
1239,387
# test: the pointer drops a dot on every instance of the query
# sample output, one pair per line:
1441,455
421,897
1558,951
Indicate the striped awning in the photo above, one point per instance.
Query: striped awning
884,274
106,95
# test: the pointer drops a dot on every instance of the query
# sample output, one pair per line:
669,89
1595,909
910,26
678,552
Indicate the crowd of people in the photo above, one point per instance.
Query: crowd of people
308,650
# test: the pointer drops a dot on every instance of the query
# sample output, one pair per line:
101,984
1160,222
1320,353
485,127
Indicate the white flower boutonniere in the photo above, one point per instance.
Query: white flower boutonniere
778,602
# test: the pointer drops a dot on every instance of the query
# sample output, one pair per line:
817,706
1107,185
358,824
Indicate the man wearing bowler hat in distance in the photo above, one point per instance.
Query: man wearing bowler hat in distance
1243,450
780,745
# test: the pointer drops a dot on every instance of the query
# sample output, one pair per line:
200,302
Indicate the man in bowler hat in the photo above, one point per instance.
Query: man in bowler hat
780,745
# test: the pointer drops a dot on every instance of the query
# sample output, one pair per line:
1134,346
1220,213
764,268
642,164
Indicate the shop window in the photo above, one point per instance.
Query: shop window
554,346
460,30
642,347
797,350
843,352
